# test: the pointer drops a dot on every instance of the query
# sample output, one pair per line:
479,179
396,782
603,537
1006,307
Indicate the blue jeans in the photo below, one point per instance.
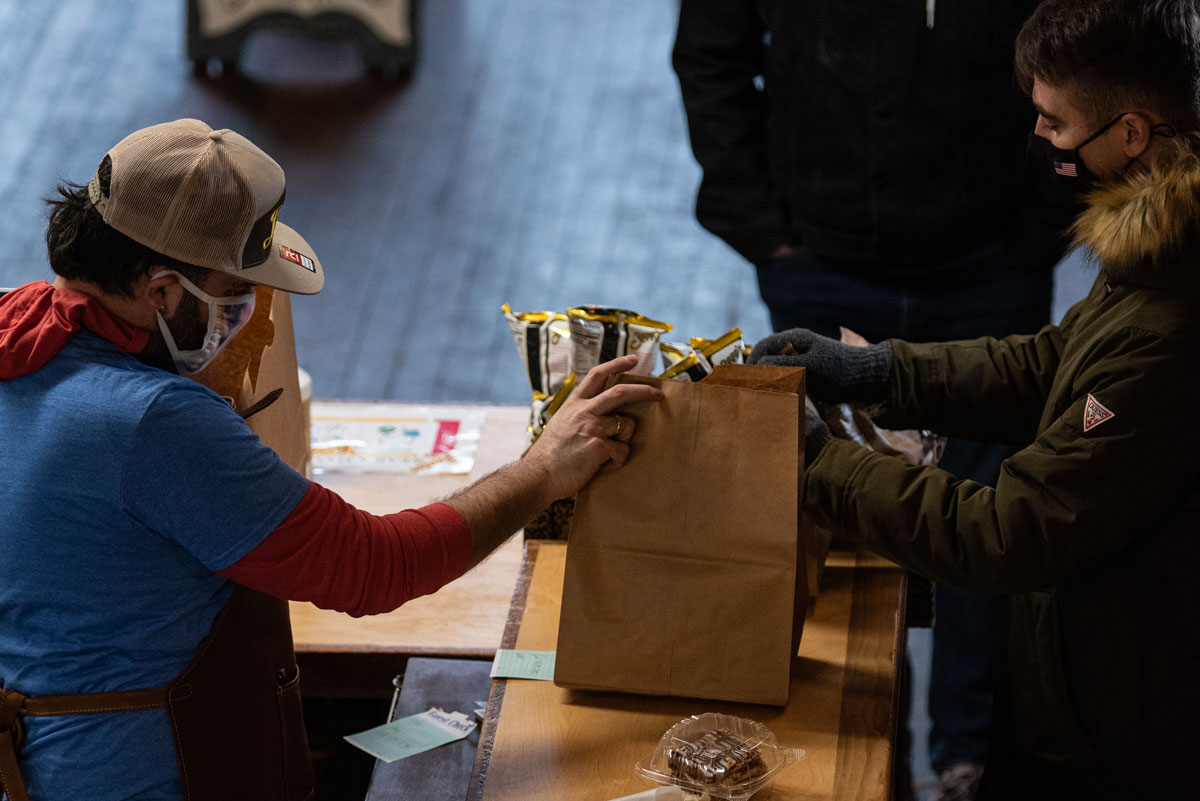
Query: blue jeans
987,292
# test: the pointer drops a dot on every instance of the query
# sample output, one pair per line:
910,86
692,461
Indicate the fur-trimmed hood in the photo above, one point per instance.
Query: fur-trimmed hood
1141,220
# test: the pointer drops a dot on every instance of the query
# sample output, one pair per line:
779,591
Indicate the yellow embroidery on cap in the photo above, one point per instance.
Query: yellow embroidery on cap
274,217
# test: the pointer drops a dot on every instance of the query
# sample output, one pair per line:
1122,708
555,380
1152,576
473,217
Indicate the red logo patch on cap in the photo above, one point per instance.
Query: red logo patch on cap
298,258
1094,413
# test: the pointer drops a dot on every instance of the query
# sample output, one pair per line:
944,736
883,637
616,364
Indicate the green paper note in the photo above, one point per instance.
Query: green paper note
523,665
412,735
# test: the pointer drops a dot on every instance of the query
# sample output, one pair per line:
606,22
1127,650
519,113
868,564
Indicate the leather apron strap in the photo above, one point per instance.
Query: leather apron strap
11,735
15,705
94,703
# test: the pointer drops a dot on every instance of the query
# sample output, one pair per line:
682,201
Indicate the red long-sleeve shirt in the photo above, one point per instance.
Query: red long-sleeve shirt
339,557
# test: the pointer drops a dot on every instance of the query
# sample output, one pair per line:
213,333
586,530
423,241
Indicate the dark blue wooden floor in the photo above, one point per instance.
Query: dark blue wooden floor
538,157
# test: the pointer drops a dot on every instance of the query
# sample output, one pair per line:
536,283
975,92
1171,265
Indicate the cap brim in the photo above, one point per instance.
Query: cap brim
292,266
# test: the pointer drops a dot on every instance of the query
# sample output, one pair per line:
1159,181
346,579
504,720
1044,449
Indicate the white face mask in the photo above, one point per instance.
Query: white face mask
226,316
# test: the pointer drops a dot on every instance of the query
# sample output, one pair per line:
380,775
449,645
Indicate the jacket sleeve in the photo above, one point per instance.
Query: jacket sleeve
992,390
1068,501
985,389
718,54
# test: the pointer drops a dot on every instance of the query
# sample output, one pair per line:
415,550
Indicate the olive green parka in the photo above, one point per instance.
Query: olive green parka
1094,525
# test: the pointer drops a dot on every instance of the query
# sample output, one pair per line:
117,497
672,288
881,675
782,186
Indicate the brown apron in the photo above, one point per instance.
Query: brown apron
235,710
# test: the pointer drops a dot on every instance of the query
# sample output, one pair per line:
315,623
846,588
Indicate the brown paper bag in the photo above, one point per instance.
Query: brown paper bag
813,539
255,363
683,573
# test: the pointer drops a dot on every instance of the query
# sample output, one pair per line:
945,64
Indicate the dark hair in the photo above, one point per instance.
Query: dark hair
1117,55
83,247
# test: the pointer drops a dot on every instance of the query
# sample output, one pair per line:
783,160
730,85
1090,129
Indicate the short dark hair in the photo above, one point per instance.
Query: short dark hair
83,247
1117,55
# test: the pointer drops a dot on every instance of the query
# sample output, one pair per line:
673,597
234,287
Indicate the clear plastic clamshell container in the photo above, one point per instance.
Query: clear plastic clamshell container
721,755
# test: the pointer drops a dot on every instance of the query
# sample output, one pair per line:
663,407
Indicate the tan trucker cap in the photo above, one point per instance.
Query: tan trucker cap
208,198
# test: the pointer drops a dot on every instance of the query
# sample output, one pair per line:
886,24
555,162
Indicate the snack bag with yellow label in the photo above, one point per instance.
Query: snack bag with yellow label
543,341
682,363
725,349
601,333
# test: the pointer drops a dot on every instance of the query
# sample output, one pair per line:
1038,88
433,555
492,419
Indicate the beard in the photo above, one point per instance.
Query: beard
188,326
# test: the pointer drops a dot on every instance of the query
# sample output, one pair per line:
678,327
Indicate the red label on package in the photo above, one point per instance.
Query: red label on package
1094,413
447,436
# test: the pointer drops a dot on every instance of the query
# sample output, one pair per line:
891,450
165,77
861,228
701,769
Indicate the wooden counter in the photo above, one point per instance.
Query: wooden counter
541,741
344,656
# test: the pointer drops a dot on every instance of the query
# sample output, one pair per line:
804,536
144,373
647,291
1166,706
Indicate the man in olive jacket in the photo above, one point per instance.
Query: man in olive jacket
1094,525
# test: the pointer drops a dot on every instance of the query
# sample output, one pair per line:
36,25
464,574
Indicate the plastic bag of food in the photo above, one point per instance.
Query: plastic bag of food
696,359
682,363
720,755
725,349
602,333
543,341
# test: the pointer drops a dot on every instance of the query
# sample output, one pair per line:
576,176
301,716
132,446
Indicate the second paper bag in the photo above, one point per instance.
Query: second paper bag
683,575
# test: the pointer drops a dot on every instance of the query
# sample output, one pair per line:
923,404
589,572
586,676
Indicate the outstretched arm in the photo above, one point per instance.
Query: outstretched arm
983,389
1075,497
343,558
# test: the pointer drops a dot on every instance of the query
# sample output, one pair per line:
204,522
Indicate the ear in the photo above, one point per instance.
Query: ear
1135,133
159,292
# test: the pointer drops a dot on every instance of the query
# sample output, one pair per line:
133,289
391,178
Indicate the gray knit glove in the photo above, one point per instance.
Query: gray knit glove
837,373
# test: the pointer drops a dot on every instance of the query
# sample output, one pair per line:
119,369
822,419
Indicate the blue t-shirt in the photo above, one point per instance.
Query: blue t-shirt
122,488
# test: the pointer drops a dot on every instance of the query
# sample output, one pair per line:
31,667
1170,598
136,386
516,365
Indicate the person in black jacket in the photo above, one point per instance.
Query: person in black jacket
869,159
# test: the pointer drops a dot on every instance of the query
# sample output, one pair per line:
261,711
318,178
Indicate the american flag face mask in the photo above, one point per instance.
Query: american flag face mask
1069,175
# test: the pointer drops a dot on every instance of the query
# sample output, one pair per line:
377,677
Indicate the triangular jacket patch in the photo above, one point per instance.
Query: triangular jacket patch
1094,413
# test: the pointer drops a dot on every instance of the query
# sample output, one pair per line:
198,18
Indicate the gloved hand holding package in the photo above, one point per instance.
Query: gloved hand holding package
842,375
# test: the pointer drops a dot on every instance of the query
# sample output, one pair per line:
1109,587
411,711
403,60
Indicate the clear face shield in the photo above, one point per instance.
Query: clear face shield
226,316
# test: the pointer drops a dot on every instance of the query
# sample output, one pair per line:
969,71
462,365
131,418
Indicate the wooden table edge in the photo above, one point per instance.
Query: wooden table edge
487,735
869,583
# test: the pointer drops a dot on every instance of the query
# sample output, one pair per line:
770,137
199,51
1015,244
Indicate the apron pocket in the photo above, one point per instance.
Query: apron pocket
297,767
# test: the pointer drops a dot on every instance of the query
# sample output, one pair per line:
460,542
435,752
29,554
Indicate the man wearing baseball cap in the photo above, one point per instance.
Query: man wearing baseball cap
147,536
